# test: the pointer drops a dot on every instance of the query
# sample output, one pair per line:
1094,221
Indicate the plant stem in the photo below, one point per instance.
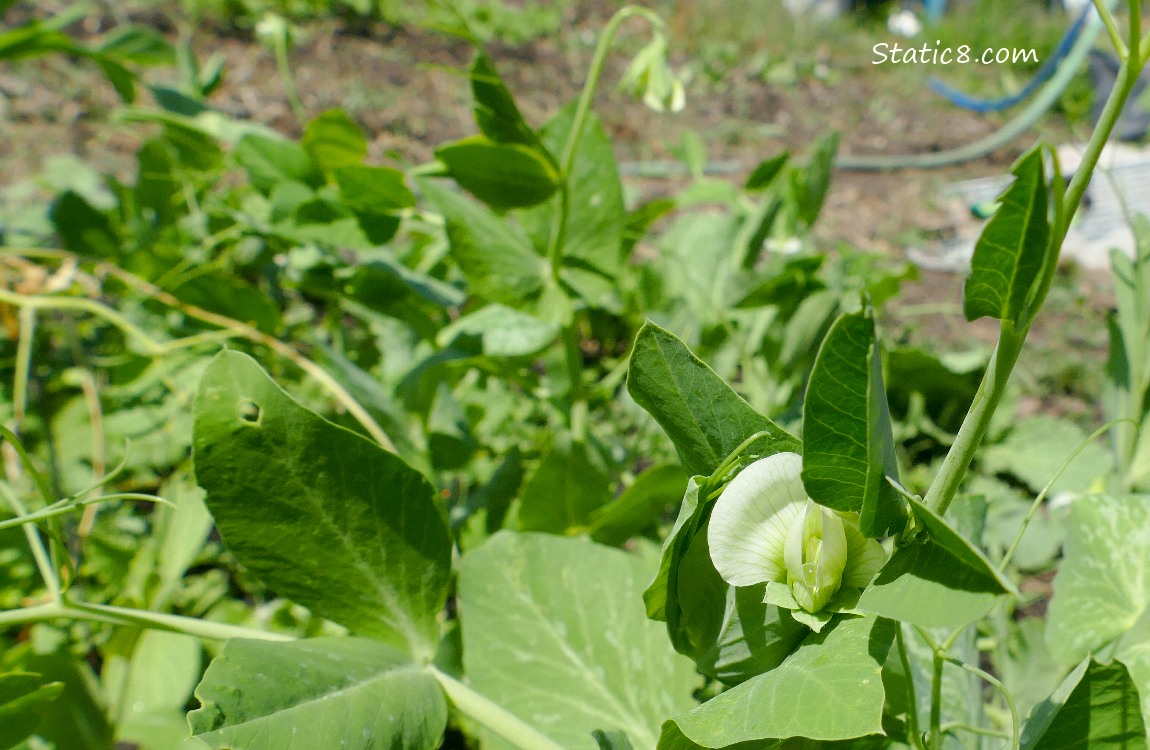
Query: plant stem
1006,353
1015,726
205,629
493,716
36,544
1111,28
936,702
911,695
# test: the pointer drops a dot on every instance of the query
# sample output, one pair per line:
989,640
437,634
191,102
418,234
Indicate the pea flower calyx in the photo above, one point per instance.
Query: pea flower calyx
764,529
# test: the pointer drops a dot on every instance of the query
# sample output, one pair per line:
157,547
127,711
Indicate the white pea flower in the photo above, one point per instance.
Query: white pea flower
650,76
764,529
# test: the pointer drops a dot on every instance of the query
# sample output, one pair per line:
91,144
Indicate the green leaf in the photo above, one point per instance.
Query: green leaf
373,190
569,484
672,738
848,446
595,196
730,632
1102,590
83,230
157,188
227,294
24,697
938,580
1035,449
502,175
1012,249
269,161
348,693
702,415
496,113
640,506
320,514
810,186
785,286
497,259
554,632
766,172
333,140
499,331
829,689
1095,708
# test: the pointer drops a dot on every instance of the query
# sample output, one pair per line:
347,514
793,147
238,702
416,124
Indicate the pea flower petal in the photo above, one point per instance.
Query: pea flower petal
816,555
747,534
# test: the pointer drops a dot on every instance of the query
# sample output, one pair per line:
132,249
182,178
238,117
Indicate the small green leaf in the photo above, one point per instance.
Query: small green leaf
318,693
810,186
497,259
939,580
640,506
555,633
24,697
702,415
322,515
569,484
829,689
269,161
1095,708
82,229
373,190
496,113
1012,249
499,331
764,174
502,175
848,446
333,140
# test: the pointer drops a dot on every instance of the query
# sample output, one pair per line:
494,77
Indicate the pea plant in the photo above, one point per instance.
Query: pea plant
446,536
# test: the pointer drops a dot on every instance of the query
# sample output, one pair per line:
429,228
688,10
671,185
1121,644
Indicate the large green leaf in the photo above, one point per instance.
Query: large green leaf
730,632
810,185
597,214
701,414
347,693
497,259
324,516
848,446
1012,249
570,482
1102,590
502,175
937,580
554,632
373,190
24,697
829,689
1095,708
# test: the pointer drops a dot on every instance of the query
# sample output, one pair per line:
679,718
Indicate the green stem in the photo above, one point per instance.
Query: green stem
1111,28
36,544
1015,724
205,629
284,66
64,507
1034,506
936,702
493,716
911,695
1006,353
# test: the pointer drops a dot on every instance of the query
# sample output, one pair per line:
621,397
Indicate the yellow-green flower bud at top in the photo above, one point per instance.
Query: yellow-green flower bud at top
764,528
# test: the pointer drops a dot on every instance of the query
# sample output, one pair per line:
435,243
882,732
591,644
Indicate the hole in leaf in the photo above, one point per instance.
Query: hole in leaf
249,411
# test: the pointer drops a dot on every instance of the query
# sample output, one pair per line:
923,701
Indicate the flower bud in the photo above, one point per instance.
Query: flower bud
816,556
